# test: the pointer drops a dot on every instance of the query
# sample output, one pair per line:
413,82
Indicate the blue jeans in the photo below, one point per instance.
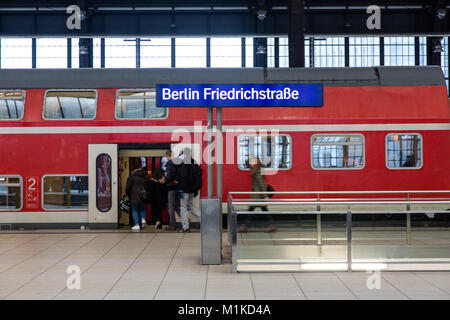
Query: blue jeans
138,213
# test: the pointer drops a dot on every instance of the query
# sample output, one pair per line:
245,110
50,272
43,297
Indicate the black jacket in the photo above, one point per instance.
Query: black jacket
189,176
135,183
172,175
159,195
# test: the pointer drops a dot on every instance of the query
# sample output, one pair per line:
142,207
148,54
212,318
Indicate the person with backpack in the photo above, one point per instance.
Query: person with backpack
190,182
173,195
138,191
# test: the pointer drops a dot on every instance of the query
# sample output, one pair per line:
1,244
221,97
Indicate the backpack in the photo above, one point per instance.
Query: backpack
191,177
195,177
146,195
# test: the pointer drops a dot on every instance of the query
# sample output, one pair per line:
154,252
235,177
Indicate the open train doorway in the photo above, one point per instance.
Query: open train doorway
149,157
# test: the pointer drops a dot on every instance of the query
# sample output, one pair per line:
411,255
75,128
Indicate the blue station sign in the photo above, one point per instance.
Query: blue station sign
239,95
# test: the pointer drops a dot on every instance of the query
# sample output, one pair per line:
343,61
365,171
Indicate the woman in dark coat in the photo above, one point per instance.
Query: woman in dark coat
159,196
137,183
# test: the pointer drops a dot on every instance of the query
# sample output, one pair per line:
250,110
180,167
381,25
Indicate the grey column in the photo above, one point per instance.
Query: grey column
210,165
219,154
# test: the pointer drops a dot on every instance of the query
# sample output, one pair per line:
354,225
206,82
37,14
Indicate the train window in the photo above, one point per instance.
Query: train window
80,105
103,194
65,192
138,104
403,151
274,151
12,105
10,193
343,151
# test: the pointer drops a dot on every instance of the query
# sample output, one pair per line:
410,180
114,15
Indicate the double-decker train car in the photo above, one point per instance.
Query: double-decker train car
69,138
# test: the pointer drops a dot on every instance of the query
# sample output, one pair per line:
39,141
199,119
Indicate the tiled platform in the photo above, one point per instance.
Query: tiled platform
125,265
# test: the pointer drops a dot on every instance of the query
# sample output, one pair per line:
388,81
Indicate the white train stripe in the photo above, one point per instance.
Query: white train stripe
281,128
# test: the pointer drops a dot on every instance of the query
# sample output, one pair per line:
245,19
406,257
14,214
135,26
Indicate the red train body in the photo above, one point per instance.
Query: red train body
33,147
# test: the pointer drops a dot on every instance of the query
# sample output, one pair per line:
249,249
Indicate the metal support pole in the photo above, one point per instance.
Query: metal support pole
349,240
433,52
138,52
381,51
86,48
417,51
260,52
219,154
233,242
33,53
243,55
172,52
347,51
209,150
408,223
219,160
296,16
102,53
277,52
208,52
319,224
69,53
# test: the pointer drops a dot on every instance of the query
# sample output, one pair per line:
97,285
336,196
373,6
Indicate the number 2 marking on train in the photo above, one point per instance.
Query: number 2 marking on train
32,182
32,197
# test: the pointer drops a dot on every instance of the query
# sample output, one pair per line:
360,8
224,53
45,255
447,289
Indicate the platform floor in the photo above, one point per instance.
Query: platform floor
162,265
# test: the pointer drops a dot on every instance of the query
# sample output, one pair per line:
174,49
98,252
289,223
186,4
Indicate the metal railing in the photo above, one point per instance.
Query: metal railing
320,200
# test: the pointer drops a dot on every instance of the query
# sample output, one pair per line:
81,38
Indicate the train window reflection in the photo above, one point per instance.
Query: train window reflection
70,104
10,193
403,151
337,151
103,194
138,104
11,105
65,192
274,151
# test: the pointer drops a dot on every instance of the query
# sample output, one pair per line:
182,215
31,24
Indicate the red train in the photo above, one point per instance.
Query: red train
68,138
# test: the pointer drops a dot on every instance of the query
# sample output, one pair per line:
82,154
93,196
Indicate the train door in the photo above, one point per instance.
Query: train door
177,148
134,157
103,190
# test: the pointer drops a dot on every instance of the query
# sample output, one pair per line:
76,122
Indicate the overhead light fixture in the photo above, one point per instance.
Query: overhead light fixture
261,49
441,13
438,48
83,50
261,14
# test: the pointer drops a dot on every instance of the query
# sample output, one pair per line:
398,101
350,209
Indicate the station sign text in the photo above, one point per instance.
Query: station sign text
239,95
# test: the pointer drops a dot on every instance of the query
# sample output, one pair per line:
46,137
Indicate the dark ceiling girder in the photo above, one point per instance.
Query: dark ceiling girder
204,3
243,22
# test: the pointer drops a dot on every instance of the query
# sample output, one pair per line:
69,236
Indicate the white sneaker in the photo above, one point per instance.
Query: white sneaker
136,227
144,223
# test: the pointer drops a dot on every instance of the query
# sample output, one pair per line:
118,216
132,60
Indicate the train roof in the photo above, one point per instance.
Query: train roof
148,77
